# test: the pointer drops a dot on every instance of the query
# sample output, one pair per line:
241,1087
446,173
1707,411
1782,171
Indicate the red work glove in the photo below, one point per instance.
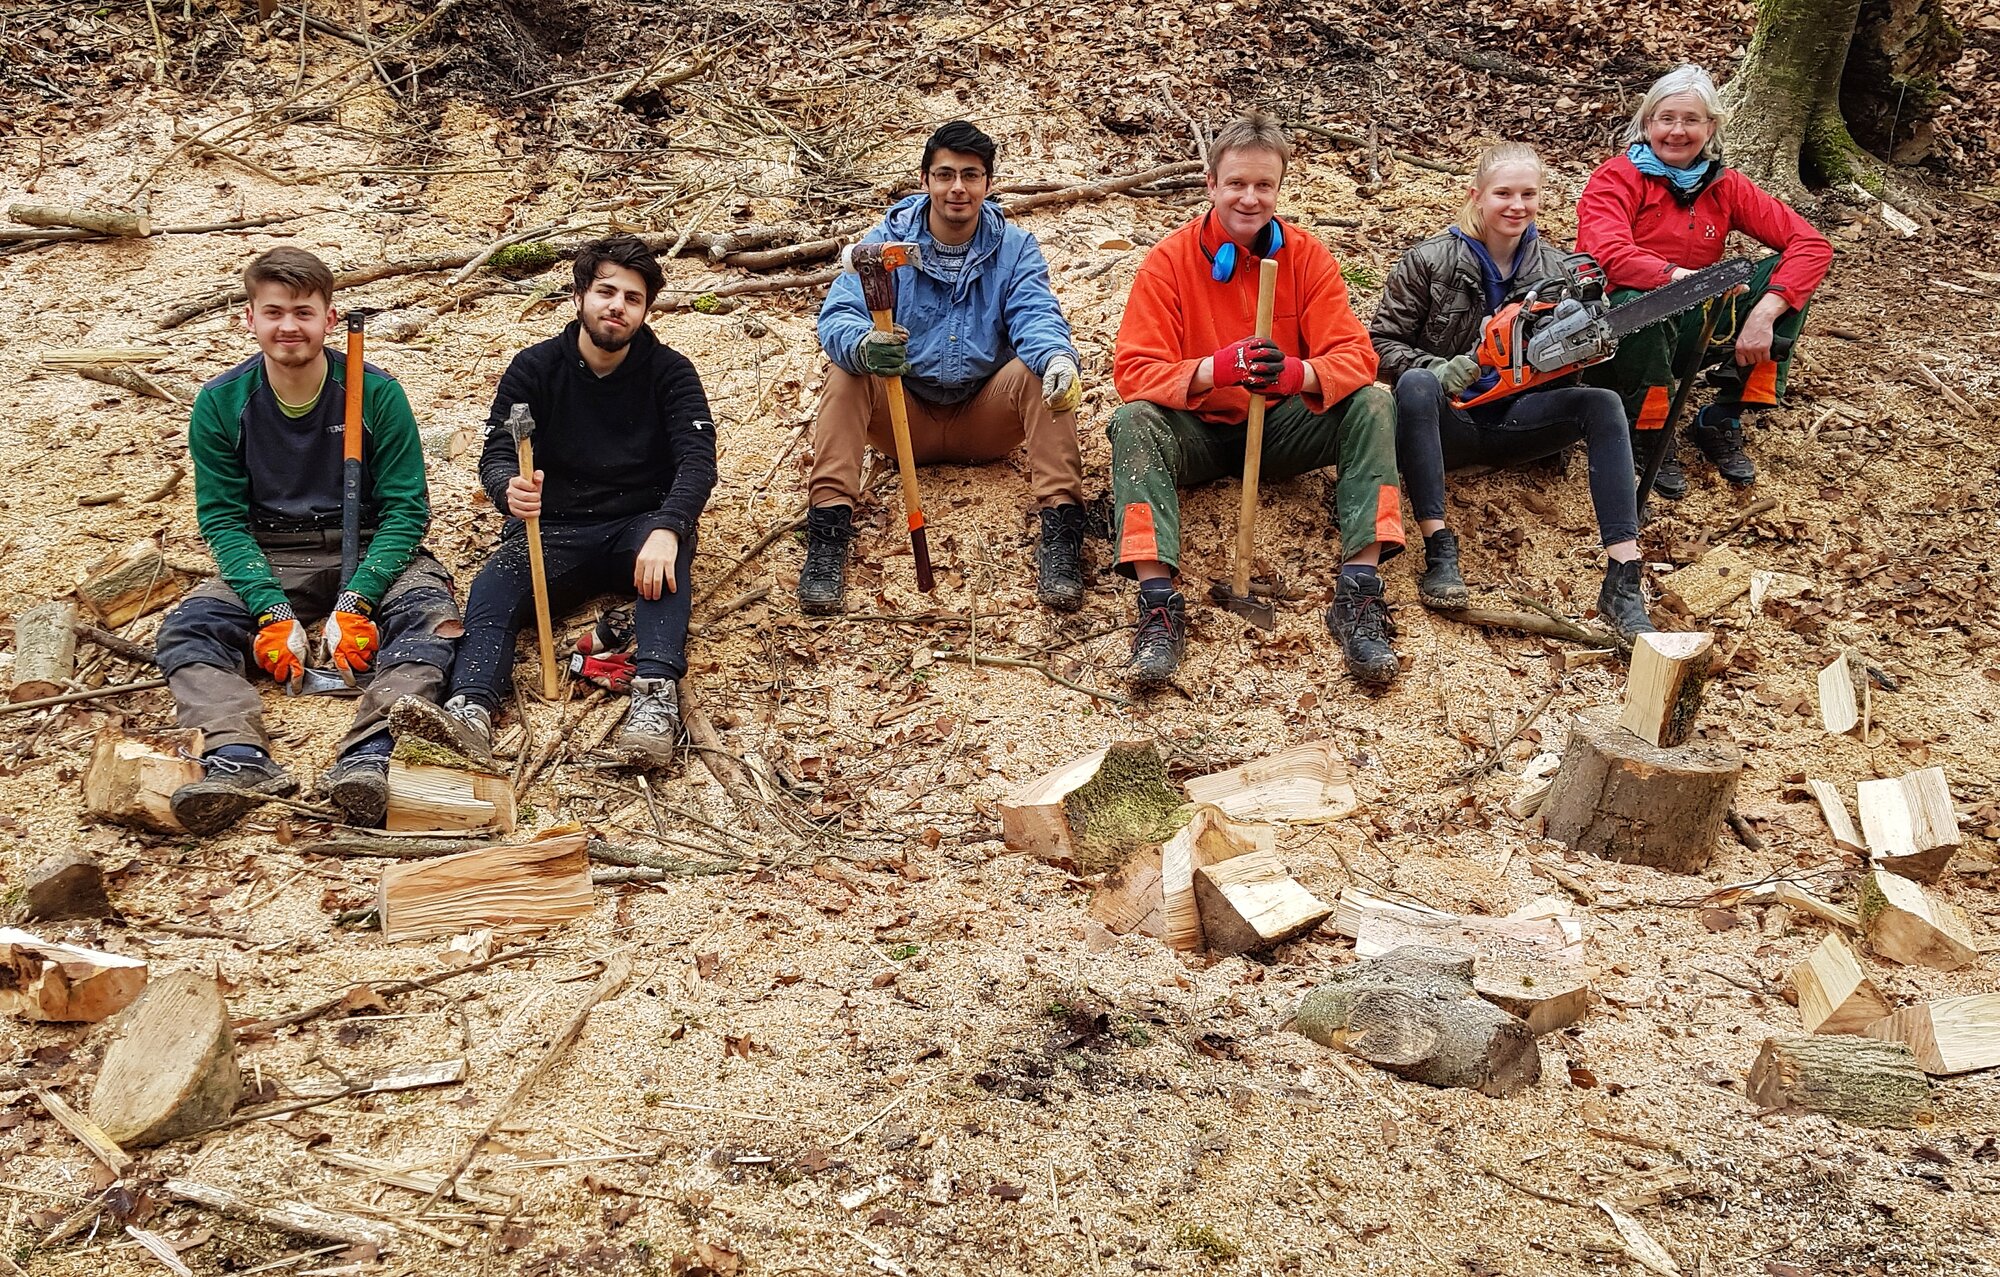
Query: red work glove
1251,359
350,640
1288,380
280,645
612,673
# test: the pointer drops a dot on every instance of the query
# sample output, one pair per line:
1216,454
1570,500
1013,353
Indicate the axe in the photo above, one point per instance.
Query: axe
1240,596
520,423
873,262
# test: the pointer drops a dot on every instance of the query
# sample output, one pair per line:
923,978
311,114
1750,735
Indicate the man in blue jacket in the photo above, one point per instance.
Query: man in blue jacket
987,362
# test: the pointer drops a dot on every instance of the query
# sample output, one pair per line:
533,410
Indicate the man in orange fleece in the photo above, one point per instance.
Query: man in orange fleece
1187,362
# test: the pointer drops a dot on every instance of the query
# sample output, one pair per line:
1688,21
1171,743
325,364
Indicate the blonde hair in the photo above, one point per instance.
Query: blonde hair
1253,132
1493,157
1686,78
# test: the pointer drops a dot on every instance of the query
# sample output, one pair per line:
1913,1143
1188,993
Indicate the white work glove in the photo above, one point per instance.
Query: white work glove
1062,387
1456,373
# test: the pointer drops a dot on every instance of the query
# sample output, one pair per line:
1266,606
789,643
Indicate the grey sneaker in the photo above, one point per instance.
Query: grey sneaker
228,788
460,725
653,725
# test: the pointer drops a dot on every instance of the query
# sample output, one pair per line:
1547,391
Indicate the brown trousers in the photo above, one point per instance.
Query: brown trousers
854,412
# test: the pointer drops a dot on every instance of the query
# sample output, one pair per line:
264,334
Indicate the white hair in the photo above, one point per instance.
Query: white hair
1686,78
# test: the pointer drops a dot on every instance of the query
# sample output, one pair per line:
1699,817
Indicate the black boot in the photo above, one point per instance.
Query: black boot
1441,586
358,784
1359,618
228,788
1162,638
823,580
1671,482
1621,602
1721,441
1059,558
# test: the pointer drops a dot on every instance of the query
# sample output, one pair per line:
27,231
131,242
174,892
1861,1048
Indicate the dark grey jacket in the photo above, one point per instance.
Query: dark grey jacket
1434,304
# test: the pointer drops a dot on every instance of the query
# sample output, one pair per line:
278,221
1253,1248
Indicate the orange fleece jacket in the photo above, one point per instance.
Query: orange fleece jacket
1178,315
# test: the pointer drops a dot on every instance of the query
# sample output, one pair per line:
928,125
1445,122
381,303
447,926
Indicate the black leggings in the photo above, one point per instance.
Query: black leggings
1433,436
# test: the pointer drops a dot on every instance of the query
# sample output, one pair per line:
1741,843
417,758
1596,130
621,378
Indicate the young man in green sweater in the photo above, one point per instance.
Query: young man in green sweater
266,442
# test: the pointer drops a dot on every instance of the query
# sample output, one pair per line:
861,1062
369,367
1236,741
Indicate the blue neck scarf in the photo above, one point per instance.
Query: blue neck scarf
1490,277
1684,179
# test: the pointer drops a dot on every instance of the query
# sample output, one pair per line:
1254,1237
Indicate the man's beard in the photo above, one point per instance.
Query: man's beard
608,342
298,356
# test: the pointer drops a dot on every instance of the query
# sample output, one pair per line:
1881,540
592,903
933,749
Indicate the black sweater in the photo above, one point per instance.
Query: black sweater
639,441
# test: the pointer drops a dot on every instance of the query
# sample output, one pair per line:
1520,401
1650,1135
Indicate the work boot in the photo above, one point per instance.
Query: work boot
1162,638
1671,482
358,784
653,725
823,580
1621,602
1720,439
460,725
229,786
1441,586
1059,558
1360,619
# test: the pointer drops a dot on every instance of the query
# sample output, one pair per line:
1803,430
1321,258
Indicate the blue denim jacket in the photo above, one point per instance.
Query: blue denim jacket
1002,307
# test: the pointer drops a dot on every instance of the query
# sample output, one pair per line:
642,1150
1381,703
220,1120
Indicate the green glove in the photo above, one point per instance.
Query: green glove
1456,373
885,354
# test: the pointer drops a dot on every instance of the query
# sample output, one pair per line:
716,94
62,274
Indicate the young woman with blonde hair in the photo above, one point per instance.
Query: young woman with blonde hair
1433,307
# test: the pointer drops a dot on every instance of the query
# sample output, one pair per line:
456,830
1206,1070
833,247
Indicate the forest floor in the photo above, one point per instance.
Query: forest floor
873,1045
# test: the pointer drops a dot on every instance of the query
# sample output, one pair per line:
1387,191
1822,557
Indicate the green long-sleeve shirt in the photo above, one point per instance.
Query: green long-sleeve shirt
258,472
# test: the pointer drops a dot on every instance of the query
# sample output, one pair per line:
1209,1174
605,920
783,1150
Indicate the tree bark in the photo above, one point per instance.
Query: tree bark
1892,86
1785,126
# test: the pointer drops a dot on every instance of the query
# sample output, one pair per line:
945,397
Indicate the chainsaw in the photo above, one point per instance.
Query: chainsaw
1563,324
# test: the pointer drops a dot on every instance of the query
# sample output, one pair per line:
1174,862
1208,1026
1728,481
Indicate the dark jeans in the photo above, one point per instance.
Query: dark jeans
1433,436
583,560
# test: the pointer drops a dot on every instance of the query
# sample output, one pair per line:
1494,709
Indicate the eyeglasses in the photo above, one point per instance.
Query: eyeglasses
948,176
1668,120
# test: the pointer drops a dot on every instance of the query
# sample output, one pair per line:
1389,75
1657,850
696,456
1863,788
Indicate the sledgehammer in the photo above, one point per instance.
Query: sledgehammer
873,263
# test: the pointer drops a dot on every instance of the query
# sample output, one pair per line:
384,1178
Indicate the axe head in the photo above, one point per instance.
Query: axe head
318,682
520,422
873,263
1254,606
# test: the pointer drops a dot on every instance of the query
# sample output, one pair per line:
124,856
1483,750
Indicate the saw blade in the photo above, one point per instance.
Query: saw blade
1684,294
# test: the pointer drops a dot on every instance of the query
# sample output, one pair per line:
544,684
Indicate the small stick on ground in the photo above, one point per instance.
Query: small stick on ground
393,989
1744,833
1095,693
67,698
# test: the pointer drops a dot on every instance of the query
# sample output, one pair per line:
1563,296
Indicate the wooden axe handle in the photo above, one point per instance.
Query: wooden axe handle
539,577
906,465
1253,443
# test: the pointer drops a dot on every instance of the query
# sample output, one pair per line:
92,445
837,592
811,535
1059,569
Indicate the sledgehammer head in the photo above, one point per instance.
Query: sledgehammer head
873,262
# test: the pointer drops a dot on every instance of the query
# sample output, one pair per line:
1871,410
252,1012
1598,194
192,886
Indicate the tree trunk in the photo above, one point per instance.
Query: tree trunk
1893,82
1785,124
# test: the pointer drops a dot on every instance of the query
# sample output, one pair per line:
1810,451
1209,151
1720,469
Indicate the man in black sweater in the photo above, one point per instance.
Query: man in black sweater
626,451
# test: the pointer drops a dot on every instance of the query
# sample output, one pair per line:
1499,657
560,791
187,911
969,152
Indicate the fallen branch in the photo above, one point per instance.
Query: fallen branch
133,380
722,764
393,989
1533,623
88,220
1499,751
616,971
1760,506
1356,139
341,279
301,1218
143,685
1012,662
14,236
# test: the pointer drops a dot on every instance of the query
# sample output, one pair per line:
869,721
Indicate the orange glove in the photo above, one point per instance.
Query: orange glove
350,639
280,646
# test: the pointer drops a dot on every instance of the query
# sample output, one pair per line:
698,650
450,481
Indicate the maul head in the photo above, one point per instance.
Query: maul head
873,262
520,422
357,317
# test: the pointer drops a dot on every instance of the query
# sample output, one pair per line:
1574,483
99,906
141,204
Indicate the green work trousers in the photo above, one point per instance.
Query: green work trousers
1643,371
1156,451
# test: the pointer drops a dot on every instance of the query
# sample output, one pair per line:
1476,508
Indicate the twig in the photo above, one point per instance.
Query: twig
341,279
130,379
1519,1187
87,1132
721,762
138,653
1356,139
1011,662
763,543
616,971
167,486
893,1106
291,1217
91,694
756,594
1527,720
1744,834
1743,516
393,989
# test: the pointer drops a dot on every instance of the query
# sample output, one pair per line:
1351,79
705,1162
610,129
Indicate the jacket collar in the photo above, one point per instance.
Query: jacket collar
908,221
636,352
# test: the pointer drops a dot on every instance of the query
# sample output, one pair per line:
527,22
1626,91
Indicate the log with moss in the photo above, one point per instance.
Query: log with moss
1855,1080
1094,812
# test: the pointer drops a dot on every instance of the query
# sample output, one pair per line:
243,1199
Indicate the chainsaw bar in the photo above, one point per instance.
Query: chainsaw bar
1685,294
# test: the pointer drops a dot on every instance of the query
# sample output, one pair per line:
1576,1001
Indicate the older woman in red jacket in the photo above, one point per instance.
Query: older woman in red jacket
1664,209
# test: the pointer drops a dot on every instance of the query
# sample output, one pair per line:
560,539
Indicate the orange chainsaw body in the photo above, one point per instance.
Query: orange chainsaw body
1500,349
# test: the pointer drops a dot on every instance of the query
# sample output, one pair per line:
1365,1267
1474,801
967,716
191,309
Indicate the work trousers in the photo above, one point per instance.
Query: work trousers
583,561
1156,451
204,643
1434,435
1008,410
1646,365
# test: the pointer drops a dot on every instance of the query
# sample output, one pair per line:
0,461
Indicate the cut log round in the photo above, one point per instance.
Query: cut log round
132,584
132,776
1413,1012
42,980
1093,812
44,651
171,1071
1618,797
1855,1080
70,885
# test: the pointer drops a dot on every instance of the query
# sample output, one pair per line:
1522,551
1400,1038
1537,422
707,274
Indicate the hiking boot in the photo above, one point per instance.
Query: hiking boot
1162,638
228,788
358,784
1360,619
1059,558
460,725
1441,586
1621,602
823,580
653,725
1671,482
1720,439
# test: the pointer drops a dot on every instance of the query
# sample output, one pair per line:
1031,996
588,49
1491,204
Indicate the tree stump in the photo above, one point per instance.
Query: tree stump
44,651
171,1071
1413,1012
1855,1080
1618,797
